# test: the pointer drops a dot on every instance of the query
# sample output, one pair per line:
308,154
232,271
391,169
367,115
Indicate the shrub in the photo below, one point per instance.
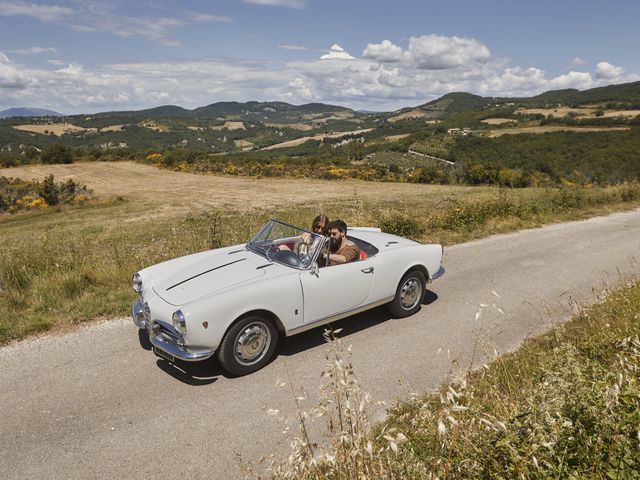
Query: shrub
402,225
48,191
56,153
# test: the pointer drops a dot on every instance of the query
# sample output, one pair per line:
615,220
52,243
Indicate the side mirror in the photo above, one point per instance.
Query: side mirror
314,270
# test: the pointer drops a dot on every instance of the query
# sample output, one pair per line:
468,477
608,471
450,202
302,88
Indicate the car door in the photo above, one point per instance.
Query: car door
336,289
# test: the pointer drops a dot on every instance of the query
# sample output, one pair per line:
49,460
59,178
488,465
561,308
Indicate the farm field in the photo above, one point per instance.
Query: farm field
551,128
230,126
294,126
62,266
164,192
320,136
408,115
583,112
497,121
57,129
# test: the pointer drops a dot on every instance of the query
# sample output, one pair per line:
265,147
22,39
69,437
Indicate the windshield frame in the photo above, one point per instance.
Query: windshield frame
268,227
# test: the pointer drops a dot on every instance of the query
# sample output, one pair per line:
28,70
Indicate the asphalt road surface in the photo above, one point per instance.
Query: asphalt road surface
97,404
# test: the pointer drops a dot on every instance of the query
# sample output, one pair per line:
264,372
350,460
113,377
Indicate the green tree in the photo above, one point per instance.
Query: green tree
48,190
56,153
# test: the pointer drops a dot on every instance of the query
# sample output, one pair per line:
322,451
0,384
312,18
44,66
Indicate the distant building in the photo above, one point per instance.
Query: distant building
459,131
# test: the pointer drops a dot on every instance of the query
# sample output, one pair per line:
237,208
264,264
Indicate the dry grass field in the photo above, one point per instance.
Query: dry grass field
319,136
497,121
550,128
151,125
408,115
113,128
556,112
621,114
165,192
57,129
318,117
62,266
585,112
393,138
230,126
293,126
242,143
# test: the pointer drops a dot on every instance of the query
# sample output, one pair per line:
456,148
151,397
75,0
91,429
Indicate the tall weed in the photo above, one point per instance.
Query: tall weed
565,405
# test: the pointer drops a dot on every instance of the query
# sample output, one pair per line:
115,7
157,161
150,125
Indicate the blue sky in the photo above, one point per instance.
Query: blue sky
85,56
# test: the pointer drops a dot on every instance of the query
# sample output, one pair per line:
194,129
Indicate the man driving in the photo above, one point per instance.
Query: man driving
341,249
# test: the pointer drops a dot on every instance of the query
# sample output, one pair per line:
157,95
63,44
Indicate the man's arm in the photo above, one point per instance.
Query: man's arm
335,258
347,254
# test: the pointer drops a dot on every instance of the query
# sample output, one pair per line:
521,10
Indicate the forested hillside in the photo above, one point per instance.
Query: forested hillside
589,136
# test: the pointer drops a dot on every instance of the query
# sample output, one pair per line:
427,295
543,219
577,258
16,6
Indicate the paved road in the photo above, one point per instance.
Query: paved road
95,404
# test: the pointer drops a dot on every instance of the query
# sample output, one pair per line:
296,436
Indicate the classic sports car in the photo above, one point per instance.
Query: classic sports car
237,301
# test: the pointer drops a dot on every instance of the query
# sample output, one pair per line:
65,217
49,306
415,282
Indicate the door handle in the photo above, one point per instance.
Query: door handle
367,270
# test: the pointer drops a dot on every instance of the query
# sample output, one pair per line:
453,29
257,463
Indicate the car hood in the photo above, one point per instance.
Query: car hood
194,278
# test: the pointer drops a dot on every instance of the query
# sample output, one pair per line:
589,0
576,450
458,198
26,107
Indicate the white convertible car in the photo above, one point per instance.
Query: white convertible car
237,301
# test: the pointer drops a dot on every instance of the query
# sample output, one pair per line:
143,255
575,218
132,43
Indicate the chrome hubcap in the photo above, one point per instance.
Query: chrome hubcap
252,343
410,294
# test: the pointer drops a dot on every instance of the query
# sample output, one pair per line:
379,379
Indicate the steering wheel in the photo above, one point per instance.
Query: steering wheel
288,257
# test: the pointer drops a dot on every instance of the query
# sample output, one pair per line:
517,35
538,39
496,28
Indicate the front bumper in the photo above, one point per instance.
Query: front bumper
164,336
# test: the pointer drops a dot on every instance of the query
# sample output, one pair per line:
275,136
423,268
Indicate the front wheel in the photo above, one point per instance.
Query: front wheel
248,345
409,294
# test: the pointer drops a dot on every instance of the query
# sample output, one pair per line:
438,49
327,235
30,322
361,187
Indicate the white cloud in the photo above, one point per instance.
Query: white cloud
292,47
607,71
362,83
300,89
336,52
11,78
579,80
435,52
72,69
578,61
386,51
90,16
44,13
155,29
297,4
36,50
207,18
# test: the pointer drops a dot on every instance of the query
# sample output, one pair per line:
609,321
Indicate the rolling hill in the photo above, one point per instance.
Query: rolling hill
28,112
304,130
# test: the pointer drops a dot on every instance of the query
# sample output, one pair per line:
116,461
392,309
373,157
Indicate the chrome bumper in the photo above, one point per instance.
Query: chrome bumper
438,274
165,338
137,313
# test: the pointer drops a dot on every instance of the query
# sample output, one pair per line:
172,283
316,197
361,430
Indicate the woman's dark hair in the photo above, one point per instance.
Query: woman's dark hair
321,220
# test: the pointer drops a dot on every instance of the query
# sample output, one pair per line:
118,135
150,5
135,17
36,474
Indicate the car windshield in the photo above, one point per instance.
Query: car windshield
283,243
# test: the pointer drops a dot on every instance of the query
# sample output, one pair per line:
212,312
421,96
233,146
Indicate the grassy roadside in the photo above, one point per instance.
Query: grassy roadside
63,266
564,405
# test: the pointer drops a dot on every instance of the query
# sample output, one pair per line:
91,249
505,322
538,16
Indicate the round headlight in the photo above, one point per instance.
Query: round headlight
179,322
137,283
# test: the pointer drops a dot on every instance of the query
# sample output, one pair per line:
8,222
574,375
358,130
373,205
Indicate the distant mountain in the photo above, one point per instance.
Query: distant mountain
156,112
28,112
456,102
625,93
265,109
233,127
242,110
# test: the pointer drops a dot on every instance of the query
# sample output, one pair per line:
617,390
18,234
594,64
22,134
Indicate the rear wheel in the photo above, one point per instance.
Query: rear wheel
409,294
248,345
